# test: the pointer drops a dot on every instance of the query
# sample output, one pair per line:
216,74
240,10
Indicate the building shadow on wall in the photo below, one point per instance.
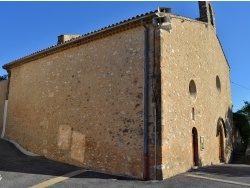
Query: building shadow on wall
12,160
229,142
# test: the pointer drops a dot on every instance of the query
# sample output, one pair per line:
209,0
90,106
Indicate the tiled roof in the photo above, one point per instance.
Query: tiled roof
124,22
67,44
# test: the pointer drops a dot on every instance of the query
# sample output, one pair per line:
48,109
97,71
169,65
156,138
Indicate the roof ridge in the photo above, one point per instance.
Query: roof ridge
134,18
49,49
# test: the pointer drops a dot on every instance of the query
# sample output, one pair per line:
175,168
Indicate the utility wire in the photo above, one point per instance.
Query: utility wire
240,85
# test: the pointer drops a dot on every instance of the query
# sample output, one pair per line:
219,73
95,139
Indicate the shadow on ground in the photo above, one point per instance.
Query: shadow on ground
228,170
12,160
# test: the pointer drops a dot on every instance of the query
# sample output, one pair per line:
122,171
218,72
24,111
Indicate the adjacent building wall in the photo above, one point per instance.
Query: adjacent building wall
83,105
191,51
3,92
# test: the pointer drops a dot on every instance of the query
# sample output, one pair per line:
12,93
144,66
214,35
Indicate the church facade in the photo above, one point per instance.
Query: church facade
148,97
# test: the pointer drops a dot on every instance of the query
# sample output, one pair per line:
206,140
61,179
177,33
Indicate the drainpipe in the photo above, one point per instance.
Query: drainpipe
155,126
155,108
146,101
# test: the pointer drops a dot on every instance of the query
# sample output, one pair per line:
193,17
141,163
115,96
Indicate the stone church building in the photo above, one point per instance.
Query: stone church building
148,97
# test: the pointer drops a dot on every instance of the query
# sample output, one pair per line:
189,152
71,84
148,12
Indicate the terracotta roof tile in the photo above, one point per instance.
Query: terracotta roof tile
79,38
151,13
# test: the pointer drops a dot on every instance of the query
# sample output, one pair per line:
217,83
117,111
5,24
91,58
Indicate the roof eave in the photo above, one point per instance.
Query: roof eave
77,41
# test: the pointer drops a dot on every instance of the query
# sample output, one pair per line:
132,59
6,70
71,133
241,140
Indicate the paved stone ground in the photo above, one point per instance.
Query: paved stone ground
19,170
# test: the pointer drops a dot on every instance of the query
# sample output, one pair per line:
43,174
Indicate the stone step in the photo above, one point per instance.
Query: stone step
239,154
238,162
238,158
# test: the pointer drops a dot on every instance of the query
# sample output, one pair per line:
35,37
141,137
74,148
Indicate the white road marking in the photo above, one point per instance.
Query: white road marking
219,180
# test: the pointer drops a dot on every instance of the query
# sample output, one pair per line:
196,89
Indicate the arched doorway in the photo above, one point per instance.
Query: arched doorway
195,147
221,145
221,133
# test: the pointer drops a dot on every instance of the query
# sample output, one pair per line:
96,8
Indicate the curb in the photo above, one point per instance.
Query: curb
20,148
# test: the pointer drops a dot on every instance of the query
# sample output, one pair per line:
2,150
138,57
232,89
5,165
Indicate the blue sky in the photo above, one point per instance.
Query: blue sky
27,27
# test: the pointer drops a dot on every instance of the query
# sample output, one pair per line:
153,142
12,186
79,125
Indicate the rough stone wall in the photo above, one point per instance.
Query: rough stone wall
191,51
84,105
3,92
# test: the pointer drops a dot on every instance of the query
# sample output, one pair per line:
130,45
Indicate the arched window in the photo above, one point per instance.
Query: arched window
218,84
192,90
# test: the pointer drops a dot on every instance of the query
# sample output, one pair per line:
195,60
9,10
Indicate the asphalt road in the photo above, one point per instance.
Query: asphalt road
18,170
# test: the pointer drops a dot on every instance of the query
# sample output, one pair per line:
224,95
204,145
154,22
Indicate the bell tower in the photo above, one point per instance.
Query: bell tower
206,13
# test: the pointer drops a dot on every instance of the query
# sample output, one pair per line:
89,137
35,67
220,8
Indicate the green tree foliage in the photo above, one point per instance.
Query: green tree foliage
241,120
4,77
246,110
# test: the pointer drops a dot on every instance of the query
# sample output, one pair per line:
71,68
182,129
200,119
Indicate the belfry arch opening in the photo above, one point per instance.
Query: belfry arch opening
211,14
195,147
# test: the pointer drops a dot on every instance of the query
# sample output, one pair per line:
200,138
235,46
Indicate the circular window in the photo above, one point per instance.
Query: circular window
192,90
218,85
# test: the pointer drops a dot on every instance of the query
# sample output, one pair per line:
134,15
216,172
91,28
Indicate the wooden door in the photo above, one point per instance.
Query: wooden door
195,147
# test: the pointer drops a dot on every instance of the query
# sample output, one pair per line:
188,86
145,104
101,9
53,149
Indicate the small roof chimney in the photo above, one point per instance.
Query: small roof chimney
64,38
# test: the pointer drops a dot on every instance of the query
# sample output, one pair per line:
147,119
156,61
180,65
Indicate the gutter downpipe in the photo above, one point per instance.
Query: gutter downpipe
155,126
155,112
146,101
